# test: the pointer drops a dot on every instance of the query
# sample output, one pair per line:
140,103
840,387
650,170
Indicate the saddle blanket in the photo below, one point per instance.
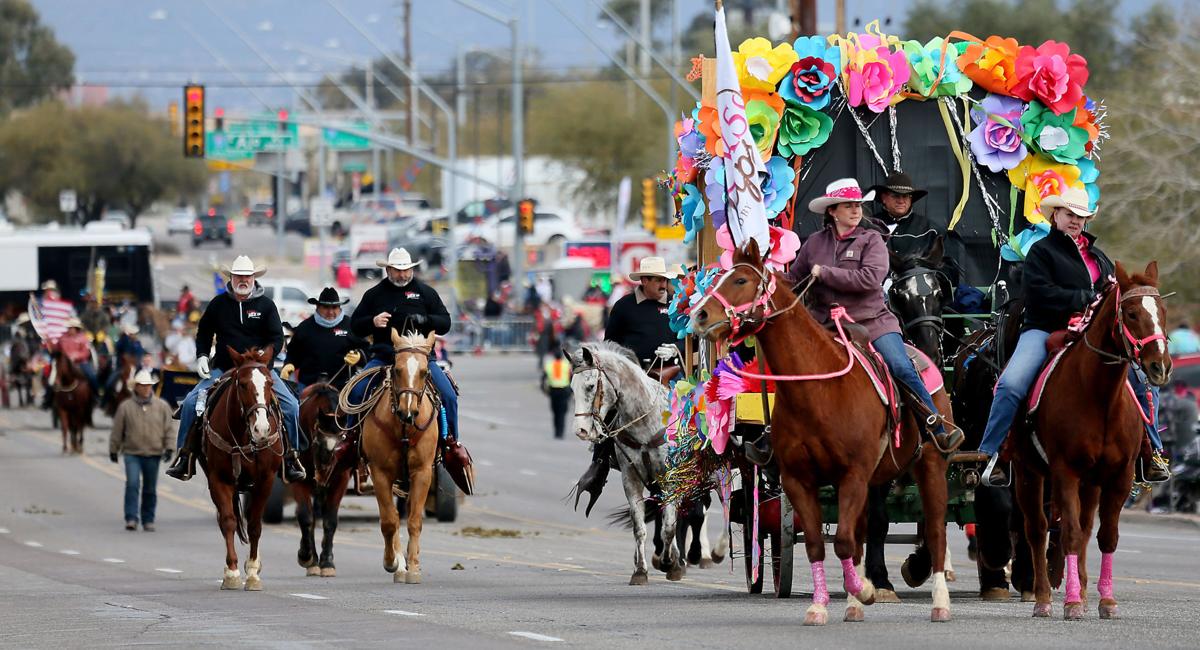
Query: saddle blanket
1039,386
931,376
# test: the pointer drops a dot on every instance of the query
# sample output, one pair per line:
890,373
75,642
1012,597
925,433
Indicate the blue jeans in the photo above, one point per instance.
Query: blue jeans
1016,380
891,347
287,404
1151,409
440,381
143,470
89,373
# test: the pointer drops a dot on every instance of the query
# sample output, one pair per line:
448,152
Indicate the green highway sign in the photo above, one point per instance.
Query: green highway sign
241,140
343,141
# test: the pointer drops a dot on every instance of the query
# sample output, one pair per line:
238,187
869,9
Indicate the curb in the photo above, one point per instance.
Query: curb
1142,516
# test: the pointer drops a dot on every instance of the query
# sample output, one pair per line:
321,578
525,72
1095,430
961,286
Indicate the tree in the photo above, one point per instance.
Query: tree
33,65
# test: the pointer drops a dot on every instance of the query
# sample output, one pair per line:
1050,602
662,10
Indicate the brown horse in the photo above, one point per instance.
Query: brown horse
1086,440
327,481
123,388
243,448
400,439
72,402
832,431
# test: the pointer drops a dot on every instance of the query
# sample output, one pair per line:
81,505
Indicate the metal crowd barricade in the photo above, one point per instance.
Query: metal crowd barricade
498,335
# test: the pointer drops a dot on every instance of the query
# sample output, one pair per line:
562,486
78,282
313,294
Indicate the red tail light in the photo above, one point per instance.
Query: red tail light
229,226
270,213
212,212
198,228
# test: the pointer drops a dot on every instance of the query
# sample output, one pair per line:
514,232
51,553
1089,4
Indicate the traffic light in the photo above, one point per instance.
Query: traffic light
218,119
283,123
525,216
193,121
649,207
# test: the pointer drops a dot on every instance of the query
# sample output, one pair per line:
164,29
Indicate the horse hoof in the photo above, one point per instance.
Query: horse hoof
639,579
398,577
393,567
328,572
1108,609
412,578
1073,612
253,583
816,615
232,582
656,562
706,563
312,571
939,615
911,578
886,596
675,574
995,595
950,577
1028,597
1041,610
854,614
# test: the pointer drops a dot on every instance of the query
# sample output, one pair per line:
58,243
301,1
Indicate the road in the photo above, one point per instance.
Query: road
530,572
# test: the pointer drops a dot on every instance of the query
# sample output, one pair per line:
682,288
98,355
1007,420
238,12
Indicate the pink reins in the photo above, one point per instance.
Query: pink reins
837,314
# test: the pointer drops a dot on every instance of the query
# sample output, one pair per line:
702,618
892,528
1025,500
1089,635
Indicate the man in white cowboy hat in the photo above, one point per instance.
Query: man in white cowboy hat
240,318
142,430
321,345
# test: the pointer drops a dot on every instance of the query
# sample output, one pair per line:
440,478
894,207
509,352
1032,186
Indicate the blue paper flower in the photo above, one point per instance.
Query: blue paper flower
778,186
1088,173
813,76
692,212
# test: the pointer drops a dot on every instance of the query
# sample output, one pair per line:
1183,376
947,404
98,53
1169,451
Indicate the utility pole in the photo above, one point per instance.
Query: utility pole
841,16
804,18
518,145
369,92
406,17
644,27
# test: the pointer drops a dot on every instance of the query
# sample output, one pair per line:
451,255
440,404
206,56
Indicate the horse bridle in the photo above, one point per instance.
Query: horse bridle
418,394
599,418
238,451
1132,345
738,315
929,320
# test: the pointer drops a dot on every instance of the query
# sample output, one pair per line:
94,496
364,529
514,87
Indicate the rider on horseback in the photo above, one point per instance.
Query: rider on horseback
848,263
1062,275
323,344
76,345
240,318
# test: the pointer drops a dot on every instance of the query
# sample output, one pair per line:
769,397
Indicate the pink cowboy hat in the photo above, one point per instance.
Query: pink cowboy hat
843,190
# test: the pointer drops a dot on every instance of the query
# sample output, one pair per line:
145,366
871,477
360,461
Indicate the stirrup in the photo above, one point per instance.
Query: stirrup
1157,460
954,436
759,450
986,478
187,462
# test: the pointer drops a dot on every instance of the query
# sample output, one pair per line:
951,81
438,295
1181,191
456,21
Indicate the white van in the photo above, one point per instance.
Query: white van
291,298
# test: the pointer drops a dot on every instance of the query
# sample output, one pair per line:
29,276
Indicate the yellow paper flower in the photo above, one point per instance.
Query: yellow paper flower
761,67
1040,177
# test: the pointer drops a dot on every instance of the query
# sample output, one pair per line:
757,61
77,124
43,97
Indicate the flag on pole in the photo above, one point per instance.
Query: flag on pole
49,317
744,170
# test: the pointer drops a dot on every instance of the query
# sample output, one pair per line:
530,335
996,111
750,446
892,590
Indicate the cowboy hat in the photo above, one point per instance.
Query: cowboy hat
900,183
74,322
398,259
652,267
130,328
244,266
1074,199
49,285
328,298
843,190
144,378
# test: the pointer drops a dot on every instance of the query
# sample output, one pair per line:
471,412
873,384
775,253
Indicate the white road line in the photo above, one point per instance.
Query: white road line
114,560
486,463
1127,550
67,551
528,472
535,636
4,531
310,596
401,612
165,570
33,544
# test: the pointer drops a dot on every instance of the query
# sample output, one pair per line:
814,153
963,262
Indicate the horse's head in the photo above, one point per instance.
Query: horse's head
918,294
318,416
410,373
1141,317
254,388
740,294
595,394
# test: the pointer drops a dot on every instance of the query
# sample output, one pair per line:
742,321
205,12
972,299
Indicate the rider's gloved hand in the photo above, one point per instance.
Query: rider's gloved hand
352,358
113,456
418,320
286,371
167,454
202,367
666,352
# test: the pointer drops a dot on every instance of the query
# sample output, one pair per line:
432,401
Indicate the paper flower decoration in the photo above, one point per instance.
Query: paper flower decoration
1088,174
802,130
708,125
1054,135
926,63
1051,74
778,186
1085,118
1039,177
763,111
784,246
991,64
874,75
714,191
996,140
813,75
1018,246
691,141
760,66
717,416
692,212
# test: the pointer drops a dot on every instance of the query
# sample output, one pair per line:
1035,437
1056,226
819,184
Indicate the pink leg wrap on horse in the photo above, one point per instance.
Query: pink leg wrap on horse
1073,595
850,577
1105,584
820,591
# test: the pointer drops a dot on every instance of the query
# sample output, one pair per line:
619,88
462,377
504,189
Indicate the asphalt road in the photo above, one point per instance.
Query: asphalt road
541,574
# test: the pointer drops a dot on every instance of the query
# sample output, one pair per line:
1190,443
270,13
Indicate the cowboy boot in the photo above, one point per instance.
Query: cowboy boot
293,470
184,466
932,424
1151,466
595,476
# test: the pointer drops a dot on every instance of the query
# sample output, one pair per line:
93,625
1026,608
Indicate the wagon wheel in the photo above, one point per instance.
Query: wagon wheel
782,547
748,543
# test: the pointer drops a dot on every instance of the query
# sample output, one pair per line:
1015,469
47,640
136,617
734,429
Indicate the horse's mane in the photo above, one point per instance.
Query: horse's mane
609,348
413,340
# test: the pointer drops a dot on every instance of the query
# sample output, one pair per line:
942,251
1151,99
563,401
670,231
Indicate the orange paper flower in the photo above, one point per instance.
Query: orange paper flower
708,125
992,64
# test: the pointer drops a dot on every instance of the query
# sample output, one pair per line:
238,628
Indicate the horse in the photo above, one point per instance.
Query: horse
400,437
72,402
123,388
243,449
326,481
817,440
21,369
615,399
1085,443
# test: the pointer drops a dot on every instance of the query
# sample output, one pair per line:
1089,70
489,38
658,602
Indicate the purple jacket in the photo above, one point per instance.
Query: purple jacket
852,274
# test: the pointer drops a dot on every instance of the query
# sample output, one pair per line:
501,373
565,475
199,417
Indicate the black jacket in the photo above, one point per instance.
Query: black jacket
253,322
912,236
1056,281
639,326
316,350
413,298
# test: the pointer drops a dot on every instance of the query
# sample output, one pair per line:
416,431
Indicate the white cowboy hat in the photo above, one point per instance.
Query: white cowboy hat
130,329
242,265
843,190
398,259
652,267
1074,199
23,318
49,284
74,322
144,378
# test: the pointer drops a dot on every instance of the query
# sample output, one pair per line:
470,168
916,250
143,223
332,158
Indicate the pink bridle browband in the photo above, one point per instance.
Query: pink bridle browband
1135,345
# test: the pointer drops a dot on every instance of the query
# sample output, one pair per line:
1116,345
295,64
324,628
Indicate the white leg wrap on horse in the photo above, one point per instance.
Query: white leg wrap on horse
232,574
941,595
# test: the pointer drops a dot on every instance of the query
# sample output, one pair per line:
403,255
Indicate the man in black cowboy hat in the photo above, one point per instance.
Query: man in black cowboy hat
322,344
906,231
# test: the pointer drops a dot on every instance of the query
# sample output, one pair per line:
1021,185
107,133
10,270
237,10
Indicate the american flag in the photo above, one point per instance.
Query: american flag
49,317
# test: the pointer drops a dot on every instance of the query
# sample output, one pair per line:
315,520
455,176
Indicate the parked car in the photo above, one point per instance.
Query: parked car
260,214
212,227
290,296
181,220
550,227
299,223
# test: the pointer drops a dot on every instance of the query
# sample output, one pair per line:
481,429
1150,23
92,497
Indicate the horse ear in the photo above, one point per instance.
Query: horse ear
895,261
750,251
235,355
395,338
1122,275
586,356
934,255
1152,272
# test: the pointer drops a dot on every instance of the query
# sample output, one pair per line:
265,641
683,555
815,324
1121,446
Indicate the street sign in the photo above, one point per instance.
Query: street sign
241,140
320,212
343,141
66,201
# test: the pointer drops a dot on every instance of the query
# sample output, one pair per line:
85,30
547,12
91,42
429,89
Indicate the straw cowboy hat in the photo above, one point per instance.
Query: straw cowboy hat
899,183
49,285
144,378
398,259
328,298
1074,199
74,322
843,190
652,267
244,266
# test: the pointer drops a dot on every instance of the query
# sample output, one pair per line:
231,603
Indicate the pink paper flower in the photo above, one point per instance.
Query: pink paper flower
875,76
784,246
1051,74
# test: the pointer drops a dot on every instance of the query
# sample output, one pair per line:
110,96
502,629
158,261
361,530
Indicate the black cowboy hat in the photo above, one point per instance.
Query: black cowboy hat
328,298
899,183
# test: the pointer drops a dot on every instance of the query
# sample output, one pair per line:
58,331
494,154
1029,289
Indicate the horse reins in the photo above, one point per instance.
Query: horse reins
1132,345
598,402
240,451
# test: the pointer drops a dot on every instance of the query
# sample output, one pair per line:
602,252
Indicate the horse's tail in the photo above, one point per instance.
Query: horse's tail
624,516
240,517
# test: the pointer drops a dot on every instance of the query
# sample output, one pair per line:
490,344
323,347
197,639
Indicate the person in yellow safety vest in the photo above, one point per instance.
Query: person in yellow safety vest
558,386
